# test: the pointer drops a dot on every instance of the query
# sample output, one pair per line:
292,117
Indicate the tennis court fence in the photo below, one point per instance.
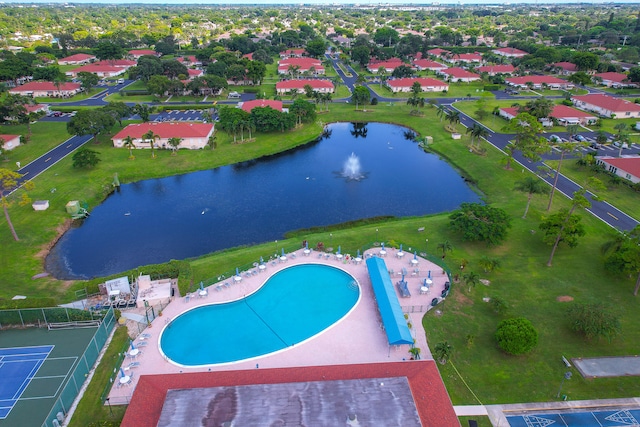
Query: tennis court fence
77,378
42,317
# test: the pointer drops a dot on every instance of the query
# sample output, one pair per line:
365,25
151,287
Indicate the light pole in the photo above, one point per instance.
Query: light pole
377,235
109,404
331,240
276,248
426,246
567,376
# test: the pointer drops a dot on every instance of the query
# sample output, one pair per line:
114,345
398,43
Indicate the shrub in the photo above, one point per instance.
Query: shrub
498,305
516,336
593,321
374,101
490,88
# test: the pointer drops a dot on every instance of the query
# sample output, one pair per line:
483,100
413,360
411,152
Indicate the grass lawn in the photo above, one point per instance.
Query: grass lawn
619,195
44,137
79,97
529,287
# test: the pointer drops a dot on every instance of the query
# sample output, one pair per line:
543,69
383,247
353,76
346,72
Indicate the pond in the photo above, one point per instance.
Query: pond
182,216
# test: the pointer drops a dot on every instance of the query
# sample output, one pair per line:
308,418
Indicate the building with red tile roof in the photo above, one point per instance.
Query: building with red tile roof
137,53
194,73
77,59
193,135
322,86
388,66
41,89
249,56
625,167
457,74
427,395
565,68
467,58
510,52
426,84
426,64
98,70
123,63
492,70
303,65
563,114
292,53
607,106
189,60
36,108
250,105
616,80
438,52
539,82
9,142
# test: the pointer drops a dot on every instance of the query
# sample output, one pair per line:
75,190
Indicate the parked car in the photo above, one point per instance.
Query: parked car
618,144
555,138
580,138
594,145
57,114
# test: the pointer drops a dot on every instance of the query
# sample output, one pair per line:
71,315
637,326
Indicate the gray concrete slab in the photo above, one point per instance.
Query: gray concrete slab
608,366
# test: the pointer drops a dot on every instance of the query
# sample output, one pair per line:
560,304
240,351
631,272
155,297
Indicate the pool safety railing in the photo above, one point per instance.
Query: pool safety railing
77,378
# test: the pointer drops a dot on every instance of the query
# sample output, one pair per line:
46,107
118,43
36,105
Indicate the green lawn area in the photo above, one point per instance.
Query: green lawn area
456,90
619,195
44,137
523,280
79,97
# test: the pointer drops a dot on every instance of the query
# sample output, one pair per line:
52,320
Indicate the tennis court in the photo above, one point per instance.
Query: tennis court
36,366
600,418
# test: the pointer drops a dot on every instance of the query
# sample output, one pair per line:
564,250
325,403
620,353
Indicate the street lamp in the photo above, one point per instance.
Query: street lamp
376,235
426,246
567,376
109,404
331,240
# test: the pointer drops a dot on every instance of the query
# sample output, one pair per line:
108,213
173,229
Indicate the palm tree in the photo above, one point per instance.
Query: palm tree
453,117
471,279
572,130
445,247
328,98
531,185
212,141
441,112
488,264
174,143
443,352
128,143
150,136
477,131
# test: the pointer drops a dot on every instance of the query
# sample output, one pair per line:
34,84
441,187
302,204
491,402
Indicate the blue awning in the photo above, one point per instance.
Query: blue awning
388,304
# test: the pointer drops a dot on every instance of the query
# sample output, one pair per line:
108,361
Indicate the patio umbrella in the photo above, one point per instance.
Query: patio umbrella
237,271
306,244
261,260
415,255
429,274
283,252
133,347
400,247
383,246
338,248
201,286
122,373
358,253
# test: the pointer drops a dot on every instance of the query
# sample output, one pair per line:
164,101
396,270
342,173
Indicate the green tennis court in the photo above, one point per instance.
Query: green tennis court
50,379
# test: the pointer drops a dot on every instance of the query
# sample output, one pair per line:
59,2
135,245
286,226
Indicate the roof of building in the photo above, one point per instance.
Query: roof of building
523,80
249,56
429,394
117,62
34,107
193,73
97,68
614,77
166,130
293,51
512,111
437,51
426,63
511,51
301,62
385,64
189,58
48,86
607,102
141,52
467,57
408,82
567,66
631,165
250,105
8,137
563,111
459,73
300,83
77,57
506,68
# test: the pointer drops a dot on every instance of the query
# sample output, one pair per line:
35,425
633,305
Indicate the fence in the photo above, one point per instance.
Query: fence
78,376
40,317
120,400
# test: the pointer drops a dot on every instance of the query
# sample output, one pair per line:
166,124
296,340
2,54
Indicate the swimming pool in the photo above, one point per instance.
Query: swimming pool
292,306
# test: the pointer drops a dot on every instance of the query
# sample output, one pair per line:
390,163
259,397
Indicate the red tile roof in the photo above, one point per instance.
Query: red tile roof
35,107
459,73
408,82
468,57
97,68
512,111
190,58
141,52
250,105
523,80
194,73
567,66
508,68
563,111
425,63
7,138
437,52
249,56
293,52
297,84
302,62
166,130
117,62
607,102
511,51
614,77
630,165
429,394
385,64
77,58
45,86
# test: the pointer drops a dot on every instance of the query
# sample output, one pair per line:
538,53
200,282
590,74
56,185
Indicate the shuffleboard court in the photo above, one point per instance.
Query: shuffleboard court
18,366
600,418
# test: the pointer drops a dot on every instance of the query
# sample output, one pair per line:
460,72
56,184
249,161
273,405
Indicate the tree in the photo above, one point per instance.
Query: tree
256,71
593,321
360,95
174,143
151,137
471,279
580,78
91,122
527,139
622,255
119,110
108,50
144,111
88,80
86,158
539,108
128,143
158,85
402,71
445,247
516,336
443,352
564,226
482,223
8,181
488,264
477,132
531,185
305,111
564,148
148,66
586,60
212,141
316,47
441,111
361,55
634,74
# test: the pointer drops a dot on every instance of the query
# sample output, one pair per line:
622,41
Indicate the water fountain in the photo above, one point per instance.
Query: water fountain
352,169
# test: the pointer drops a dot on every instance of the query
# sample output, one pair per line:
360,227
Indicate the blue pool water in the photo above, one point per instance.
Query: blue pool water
292,306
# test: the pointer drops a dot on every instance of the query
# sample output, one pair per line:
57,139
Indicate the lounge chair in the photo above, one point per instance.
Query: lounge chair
142,344
403,289
133,365
145,335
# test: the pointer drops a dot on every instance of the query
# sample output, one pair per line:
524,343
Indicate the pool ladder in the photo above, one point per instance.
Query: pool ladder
353,286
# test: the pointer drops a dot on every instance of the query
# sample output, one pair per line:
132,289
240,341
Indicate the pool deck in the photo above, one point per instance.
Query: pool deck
357,338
